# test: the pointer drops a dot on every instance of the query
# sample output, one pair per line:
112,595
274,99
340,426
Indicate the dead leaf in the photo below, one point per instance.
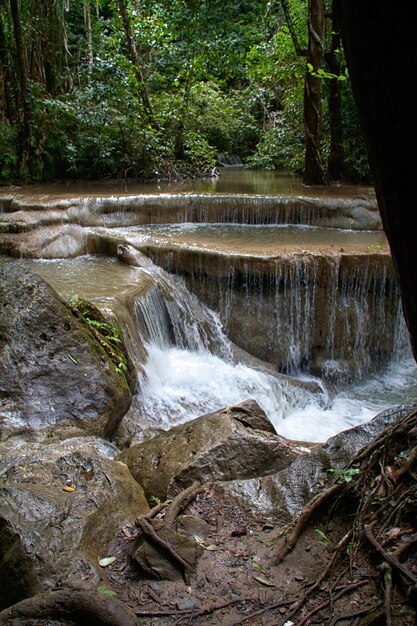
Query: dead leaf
69,489
211,548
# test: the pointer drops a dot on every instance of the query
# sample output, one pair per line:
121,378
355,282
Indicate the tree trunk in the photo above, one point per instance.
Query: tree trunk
134,57
23,100
21,61
336,162
381,51
313,171
90,55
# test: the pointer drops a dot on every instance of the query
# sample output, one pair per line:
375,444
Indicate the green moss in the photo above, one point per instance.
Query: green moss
107,333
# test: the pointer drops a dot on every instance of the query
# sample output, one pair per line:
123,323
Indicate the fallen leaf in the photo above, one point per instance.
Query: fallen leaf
199,540
106,560
264,581
211,548
106,592
69,489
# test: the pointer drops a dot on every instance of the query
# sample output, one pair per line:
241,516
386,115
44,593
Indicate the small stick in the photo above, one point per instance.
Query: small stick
388,557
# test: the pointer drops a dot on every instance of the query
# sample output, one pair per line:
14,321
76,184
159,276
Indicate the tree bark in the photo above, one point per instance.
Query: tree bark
90,54
21,61
336,161
313,170
381,51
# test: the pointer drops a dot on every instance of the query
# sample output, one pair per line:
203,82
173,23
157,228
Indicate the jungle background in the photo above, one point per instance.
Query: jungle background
93,89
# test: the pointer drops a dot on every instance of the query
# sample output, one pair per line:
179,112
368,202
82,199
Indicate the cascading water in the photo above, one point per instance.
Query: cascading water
191,369
319,299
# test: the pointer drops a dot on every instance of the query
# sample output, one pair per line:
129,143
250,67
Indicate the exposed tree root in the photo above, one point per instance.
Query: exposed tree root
87,608
304,519
381,497
180,502
153,537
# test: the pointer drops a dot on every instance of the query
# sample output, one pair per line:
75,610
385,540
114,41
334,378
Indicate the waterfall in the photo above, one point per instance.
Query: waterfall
172,316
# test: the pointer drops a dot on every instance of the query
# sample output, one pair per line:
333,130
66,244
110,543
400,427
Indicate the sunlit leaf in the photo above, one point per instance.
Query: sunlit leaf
106,560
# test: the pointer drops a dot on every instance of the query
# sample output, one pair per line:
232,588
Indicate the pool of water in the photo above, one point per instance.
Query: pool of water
252,239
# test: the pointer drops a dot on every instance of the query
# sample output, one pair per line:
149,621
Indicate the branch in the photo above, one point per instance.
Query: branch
180,502
301,52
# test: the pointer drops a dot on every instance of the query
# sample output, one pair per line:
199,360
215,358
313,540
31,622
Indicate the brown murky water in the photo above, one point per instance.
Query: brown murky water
257,240
230,181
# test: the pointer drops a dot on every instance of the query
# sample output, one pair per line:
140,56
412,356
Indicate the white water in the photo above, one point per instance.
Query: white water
186,380
181,384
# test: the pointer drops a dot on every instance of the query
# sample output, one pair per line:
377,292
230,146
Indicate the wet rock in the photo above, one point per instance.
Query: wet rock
54,376
236,442
188,603
58,512
191,525
157,563
289,490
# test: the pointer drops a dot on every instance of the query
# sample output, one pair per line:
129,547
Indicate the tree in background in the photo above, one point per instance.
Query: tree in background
121,88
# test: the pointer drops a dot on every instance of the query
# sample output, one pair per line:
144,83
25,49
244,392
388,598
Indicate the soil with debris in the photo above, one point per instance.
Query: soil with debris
237,582
349,559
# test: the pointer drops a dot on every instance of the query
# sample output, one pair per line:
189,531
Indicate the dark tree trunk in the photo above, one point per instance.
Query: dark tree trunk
134,57
21,62
23,100
381,51
336,162
313,171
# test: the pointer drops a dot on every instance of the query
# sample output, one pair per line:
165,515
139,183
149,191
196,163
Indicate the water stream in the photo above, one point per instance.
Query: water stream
191,369
300,277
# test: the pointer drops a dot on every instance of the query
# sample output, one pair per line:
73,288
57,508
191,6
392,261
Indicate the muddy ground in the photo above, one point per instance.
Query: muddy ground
237,581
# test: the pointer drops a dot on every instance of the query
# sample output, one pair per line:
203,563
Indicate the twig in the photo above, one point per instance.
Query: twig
180,502
341,593
199,613
387,593
388,557
264,609
320,579
351,616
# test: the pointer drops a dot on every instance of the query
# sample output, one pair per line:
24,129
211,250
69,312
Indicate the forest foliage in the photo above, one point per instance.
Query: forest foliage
136,89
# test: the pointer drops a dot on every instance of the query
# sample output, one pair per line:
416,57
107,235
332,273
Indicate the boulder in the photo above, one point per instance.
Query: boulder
54,375
289,490
155,562
59,509
236,442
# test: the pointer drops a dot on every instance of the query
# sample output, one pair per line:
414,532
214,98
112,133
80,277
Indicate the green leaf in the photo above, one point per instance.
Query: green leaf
106,592
106,560
323,536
